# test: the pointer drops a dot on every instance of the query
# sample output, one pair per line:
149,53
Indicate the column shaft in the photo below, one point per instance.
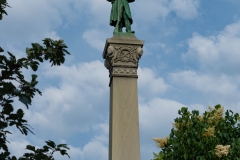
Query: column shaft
124,120
121,55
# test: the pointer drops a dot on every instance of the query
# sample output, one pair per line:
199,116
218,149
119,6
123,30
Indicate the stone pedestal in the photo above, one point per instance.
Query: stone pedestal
121,55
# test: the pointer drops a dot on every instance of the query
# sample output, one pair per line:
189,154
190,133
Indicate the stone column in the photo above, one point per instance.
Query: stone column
121,55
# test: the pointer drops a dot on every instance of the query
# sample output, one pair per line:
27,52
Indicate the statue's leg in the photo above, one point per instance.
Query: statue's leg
120,26
116,29
127,23
120,21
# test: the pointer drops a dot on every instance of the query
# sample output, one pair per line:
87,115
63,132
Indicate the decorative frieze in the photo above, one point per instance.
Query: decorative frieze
124,71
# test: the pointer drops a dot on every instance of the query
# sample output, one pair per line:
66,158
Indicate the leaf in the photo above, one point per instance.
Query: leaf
12,117
24,100
66,51
7,109
20,113
25,66
28,52
14,158
45,148
34,77
51,144
36,46
64,152
63,146
1,50
40,59
62,59
16,92
11,55
31,148
2,66
34,67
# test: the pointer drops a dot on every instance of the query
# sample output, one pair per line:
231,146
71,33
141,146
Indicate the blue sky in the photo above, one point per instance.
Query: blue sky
191,58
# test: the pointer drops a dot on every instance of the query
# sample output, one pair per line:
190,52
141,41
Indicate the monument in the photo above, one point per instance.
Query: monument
122,53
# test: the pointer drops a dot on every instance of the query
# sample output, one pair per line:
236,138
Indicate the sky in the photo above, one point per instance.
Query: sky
191,59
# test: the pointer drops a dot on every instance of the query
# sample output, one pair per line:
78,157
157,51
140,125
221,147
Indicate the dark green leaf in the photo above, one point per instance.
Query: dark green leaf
31,148
34,67
24,100
1,50
51,144
34,77
7,108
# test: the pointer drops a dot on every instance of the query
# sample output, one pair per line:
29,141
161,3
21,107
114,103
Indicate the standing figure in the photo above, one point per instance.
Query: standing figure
121,15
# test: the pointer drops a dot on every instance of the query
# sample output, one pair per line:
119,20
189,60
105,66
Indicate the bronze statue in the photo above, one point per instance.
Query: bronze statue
121,15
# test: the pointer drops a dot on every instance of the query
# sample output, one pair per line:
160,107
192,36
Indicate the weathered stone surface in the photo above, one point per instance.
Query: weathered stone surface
124,121
122,54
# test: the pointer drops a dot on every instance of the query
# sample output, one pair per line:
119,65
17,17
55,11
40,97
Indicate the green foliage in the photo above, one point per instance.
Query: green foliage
46,152
197,137
14,85
3,5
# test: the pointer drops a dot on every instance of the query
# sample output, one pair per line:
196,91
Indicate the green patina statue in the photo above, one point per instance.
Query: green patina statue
121,15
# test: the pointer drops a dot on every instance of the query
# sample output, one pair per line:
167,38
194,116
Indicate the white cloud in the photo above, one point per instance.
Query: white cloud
98,144
100,150
95,150
74,153
29,20
76,104
17,147
157,115
103,127
92,150
71,10
99,11
149,84
53,35
186,9
217,52
208,84
95,38
152,10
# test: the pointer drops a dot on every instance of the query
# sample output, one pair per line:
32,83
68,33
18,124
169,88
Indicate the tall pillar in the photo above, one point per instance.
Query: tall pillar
121,55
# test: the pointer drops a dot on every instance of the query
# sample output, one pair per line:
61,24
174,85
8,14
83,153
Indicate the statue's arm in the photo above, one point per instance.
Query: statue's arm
129,1
110,0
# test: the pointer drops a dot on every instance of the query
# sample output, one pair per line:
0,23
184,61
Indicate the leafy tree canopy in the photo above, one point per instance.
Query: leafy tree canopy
14,85
3,5
209,136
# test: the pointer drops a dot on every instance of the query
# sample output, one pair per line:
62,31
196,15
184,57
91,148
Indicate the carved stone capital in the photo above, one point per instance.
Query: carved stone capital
122,56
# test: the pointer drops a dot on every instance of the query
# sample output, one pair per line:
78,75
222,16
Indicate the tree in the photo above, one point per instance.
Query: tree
14,85
209,136
3,5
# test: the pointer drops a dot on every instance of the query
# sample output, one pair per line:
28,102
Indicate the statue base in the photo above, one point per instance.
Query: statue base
124,33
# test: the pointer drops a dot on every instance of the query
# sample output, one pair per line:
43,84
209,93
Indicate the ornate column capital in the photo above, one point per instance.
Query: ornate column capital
122,54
